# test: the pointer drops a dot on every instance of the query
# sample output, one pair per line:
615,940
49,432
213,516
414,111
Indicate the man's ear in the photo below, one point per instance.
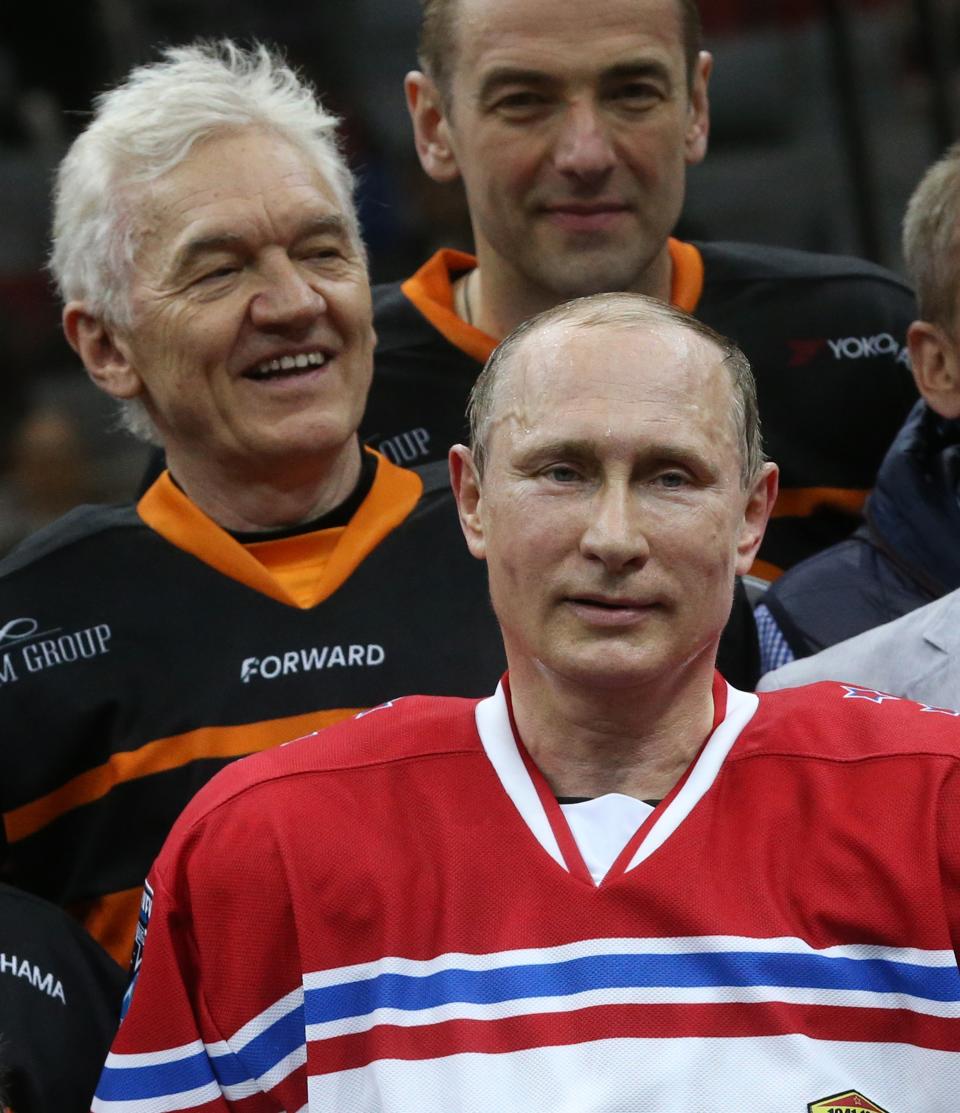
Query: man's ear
431,131
936,367
698,122
105,353
763,495
466,490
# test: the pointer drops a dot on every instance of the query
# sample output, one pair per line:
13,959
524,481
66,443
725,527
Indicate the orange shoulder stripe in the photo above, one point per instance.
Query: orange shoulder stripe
112,921
160,756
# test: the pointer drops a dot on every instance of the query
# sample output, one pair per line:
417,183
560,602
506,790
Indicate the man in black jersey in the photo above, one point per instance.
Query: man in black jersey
60,998
276,578
571,129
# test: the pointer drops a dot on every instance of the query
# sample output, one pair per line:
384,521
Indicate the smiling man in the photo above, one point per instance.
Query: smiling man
617,883
571,129
276,578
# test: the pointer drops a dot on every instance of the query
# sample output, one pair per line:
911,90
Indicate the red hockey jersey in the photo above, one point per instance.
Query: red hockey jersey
396,916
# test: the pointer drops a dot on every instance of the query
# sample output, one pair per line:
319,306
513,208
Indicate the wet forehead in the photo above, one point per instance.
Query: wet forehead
553,35
616,385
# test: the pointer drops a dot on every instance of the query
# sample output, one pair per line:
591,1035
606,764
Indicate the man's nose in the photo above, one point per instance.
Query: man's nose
288,297
615,533
584,148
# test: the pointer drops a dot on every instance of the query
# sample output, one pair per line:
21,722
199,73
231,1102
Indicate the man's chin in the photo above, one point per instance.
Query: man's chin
578,274
608,672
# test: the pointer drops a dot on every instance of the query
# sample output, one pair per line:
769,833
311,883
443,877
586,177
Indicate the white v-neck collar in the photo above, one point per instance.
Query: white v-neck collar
602,827
496,734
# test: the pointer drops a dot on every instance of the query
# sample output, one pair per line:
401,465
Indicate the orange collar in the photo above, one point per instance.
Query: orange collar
394,494
430,289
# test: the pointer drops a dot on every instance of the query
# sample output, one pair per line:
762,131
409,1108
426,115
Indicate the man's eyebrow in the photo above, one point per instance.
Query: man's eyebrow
561,448
196,248
517,75
512,75
638,68
199,246
652,452
322,225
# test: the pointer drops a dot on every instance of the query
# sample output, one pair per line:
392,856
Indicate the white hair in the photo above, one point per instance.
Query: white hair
146,127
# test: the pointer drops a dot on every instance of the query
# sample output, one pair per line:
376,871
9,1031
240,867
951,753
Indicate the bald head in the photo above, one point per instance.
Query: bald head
545,336
439,37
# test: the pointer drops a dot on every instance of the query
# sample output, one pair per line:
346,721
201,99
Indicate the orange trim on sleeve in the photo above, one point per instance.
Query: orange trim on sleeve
801,502
395,492
160,756
112,921
764,570
431,291
686,283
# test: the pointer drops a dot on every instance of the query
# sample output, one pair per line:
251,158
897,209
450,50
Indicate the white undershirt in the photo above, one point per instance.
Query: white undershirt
602,828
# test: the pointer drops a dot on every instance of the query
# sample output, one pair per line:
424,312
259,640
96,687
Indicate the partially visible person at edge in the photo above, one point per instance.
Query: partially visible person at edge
907,552
277,578
60,999
571,130
616,883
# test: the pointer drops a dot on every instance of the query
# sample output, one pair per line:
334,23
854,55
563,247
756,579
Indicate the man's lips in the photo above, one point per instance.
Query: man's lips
611,610
585,216
289,364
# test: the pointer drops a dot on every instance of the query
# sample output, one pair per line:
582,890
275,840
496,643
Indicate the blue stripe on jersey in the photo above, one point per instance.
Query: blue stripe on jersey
729,968
156,1080
256,1058
265,1050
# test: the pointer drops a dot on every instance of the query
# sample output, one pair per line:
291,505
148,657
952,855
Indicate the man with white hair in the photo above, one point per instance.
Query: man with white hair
618,883
276,578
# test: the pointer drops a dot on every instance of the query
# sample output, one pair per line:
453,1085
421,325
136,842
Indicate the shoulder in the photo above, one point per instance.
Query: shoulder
398,323
835,594
886,655
437,491
398,731
848,722
82,524
389,301
747,262
28,919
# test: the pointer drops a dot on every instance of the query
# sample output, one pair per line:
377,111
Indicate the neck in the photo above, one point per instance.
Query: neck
250,500
495,297
588,741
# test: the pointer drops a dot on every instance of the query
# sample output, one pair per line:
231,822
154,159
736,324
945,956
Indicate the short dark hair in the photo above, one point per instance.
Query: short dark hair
438,39
623,310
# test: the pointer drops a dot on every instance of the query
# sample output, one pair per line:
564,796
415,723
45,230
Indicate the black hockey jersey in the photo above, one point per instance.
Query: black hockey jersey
137,659
825,335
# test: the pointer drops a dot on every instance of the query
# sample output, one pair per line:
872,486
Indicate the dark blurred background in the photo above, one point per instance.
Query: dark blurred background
825,114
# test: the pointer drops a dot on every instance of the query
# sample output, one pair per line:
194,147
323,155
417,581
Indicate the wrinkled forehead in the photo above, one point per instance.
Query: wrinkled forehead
478,27
235,184
617,377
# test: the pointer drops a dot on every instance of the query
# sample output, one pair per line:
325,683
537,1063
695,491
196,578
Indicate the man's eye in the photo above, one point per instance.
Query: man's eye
218,273
637,95
519,104
672,480
561,473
